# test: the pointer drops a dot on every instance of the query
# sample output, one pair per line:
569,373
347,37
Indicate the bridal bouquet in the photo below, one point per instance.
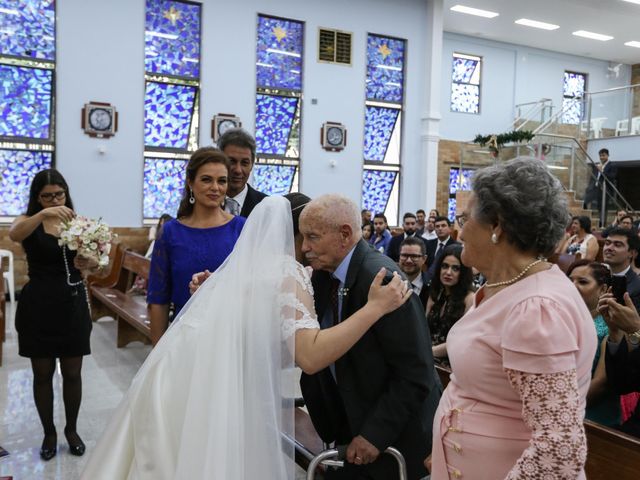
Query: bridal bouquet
91,238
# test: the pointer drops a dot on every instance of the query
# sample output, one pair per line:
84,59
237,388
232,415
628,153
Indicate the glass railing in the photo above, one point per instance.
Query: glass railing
611,113
529,116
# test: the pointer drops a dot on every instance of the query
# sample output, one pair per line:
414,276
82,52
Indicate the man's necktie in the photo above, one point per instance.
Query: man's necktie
439,249
232,206
335,287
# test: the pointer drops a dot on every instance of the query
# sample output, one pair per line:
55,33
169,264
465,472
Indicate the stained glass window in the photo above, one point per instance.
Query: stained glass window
274,121
163,186
573,89
465,83
25,102
27,29
457,182
385,68
168,109
377,187
279,53
379,125
273,179
172,38
18,168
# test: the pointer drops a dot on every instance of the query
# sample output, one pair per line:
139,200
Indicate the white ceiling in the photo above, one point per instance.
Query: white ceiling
616,18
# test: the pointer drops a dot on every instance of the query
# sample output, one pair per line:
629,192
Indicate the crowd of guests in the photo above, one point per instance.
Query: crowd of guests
530,344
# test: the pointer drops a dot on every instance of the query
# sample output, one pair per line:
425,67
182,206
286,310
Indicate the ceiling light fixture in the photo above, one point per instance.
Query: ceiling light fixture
633,43
535,24
592,36
474,11
637,2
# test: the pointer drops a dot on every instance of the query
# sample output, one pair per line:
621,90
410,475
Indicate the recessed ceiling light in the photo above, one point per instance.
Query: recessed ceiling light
637,2
592,36
474,11
535,24
633,44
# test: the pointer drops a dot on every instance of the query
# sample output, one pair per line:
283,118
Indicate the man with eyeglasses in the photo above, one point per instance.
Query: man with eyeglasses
413,255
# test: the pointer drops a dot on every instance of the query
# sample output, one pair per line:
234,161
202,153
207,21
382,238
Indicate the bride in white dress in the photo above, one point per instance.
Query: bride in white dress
215,396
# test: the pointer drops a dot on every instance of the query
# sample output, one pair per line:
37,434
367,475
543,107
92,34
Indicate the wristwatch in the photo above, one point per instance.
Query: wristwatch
634,338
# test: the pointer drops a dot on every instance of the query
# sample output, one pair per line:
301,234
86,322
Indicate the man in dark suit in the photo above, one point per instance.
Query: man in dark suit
436,246
620,245
413,255
409,226
383,392
421,217
240,147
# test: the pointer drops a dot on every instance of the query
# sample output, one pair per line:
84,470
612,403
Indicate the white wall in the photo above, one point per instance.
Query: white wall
513,74
101,57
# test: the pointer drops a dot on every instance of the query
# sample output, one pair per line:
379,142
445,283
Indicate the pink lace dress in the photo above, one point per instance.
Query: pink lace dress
521,364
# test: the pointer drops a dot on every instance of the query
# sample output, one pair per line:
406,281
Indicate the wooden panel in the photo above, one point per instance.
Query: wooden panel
612,454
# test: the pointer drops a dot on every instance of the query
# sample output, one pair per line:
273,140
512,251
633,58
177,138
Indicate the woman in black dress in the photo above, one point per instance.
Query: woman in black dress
52,318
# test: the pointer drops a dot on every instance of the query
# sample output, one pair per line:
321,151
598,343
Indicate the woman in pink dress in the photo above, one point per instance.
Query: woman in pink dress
521,356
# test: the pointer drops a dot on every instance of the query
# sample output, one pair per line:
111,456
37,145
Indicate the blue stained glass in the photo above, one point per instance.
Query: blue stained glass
464,69
18,168
574,84
451,209
273,179
378,126
28,29
274,119
571,110
279,53
465,98
457,183
163,186
168,110
25,102
385,68
172,38
376,189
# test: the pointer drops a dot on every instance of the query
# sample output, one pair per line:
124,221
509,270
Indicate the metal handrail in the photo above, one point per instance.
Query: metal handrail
612,89
325,458
537,108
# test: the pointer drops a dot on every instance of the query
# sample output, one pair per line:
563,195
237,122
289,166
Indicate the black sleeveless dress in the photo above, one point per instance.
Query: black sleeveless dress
52,318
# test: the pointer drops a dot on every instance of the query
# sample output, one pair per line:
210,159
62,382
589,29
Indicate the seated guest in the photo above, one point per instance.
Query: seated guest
381,235
412,258
581,241
420,222
366,216
619,214
240,147
443,239
450,296
430,229
620,245
409,226
200,238
592,279
626,221
623,352
367,231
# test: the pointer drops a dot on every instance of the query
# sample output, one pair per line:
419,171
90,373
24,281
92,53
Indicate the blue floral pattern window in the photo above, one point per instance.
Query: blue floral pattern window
279,53
384,102
172,38
573,89
172,97
27,75
465,83
18,168
459,180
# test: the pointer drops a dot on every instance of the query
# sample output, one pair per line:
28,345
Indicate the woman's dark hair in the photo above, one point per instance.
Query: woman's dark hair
599,271
200,157
43,178
455,304
298,202
584,222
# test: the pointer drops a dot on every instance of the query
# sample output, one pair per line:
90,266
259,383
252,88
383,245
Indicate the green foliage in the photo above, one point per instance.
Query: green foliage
497,141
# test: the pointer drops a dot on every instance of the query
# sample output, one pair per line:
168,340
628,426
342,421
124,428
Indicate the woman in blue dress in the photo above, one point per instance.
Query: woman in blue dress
200,238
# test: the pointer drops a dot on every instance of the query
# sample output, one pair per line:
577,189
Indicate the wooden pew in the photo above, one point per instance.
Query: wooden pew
612,454
110,295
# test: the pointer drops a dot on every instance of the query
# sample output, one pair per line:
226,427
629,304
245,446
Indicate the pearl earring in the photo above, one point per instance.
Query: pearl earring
494,238
191,199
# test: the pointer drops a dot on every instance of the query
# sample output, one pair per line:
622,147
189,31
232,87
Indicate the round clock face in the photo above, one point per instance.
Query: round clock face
225,125
100,119
334,136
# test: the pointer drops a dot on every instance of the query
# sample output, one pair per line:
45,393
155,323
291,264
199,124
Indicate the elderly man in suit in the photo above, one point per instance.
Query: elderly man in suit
240,147
383,392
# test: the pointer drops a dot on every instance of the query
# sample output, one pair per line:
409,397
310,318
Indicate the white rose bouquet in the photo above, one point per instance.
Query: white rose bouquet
90,238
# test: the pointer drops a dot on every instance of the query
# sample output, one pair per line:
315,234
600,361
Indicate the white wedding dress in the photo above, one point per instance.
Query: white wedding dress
214,399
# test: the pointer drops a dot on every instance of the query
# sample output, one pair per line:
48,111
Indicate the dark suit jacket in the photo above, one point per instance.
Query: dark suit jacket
633,287
253,198
432,246
393,249
623,374
424,293
386,388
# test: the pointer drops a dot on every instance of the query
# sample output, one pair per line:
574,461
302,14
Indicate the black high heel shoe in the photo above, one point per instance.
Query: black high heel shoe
76,445
49,447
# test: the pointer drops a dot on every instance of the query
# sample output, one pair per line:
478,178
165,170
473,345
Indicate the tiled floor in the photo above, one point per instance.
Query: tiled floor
106,375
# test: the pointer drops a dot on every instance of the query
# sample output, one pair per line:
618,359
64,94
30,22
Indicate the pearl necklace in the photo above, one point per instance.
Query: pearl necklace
516,278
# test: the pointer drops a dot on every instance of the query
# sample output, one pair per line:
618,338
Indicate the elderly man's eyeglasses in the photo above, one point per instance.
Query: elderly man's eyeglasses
59,195
413,256
461,219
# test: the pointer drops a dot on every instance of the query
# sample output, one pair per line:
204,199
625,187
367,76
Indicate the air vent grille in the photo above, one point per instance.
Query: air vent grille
334,46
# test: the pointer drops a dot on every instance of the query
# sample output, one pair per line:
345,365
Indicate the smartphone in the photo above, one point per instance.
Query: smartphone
618,288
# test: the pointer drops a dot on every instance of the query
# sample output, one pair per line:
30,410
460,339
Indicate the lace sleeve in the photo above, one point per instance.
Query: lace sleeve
296,301
551,408
159,285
